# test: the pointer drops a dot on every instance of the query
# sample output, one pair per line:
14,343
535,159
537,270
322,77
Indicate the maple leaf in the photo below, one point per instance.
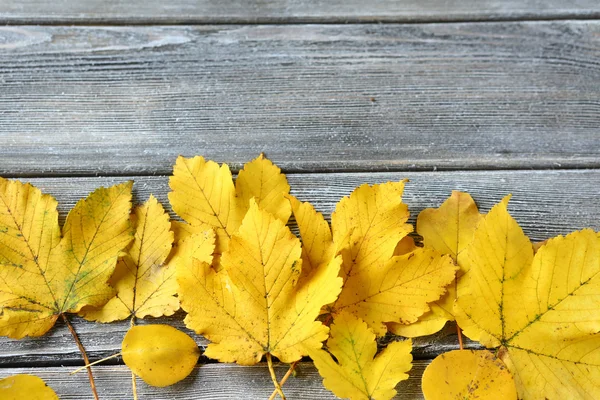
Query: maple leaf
358,374
367,228
254,305
468,374
542,310
204,194
448,230
23,386
44,275
144,284
159,354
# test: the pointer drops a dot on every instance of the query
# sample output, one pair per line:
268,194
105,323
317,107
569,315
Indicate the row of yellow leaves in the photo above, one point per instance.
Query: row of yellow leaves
250,287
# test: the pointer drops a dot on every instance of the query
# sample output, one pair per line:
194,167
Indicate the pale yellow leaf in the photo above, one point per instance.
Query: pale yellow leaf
542,309
447,229
358,373
263,181
43,275
22,386
159,354
144,284
468,375
203,193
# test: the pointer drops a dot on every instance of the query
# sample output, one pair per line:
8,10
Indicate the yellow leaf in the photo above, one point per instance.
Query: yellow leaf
43,275
359,374
253,306
145,286
22,386
317,244
368,229
468,374
204,194
448,230
429,323
542,309
405,246
371,221
159,354
397,291
263,181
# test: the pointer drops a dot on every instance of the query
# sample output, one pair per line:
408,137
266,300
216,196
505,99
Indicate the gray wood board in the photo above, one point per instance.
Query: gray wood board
253,11
211,381
128,100
545,203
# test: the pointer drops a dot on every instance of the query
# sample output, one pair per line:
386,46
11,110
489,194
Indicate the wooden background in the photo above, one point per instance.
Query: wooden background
487,96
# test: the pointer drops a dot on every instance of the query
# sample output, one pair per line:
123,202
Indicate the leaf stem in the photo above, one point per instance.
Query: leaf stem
289,373
134,386
133,379
460,341
95,362
84,354
274,377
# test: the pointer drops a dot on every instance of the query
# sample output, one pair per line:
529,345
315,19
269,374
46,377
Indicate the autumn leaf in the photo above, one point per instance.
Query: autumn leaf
318,248
358,374
468,374
159,354
22,386
448,230
44,275
144,284
254,305
541,310
379,287
204,194
263,181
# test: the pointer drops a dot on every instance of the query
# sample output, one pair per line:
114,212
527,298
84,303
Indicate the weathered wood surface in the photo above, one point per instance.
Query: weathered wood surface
211,381
545,203
128,100
279,11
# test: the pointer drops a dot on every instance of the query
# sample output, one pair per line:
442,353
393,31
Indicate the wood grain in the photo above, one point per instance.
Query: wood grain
211,381
282,11
128,100
545,203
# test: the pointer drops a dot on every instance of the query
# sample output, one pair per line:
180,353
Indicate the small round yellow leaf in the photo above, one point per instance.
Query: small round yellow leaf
468,374
159,354
19,387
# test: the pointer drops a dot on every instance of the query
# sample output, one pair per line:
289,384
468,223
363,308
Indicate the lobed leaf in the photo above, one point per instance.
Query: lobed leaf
144,284
42,274
541,309
358,374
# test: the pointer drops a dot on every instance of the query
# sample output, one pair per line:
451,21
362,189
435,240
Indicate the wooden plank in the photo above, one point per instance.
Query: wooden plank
545,203
270,11
128,100
211,381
